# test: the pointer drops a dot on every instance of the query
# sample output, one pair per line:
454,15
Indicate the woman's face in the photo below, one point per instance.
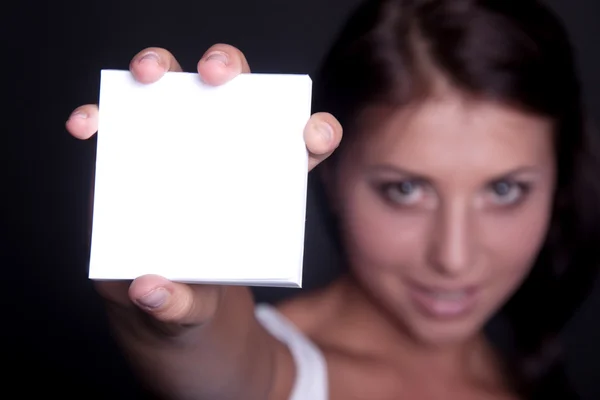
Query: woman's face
444,208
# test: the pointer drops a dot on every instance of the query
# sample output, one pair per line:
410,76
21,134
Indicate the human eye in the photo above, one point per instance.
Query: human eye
506,192
403,193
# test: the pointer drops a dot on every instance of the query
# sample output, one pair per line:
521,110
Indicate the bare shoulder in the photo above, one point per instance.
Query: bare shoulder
309,312
316,315
305,314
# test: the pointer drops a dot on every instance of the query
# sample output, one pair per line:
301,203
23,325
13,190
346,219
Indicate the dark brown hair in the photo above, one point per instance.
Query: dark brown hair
515,52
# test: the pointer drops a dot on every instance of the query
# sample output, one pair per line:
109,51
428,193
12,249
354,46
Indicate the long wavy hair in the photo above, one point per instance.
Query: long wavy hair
515,52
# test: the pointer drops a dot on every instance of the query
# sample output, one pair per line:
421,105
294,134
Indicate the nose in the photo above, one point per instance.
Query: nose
453,240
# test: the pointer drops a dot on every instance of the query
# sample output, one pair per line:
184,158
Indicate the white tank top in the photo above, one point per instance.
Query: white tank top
311,382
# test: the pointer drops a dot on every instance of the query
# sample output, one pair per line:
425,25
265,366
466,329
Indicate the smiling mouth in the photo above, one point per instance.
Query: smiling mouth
441,303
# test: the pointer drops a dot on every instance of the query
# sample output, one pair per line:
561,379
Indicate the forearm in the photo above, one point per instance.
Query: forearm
230,357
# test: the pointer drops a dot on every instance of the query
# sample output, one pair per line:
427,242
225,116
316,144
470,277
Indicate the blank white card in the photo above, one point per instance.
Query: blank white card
201,184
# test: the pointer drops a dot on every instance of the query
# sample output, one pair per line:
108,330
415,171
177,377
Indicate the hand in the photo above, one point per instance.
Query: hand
175,307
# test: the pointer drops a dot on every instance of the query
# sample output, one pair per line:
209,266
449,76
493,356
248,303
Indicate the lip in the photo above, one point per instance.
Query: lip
443,303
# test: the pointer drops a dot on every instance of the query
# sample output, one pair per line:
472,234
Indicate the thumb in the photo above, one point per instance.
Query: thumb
175,303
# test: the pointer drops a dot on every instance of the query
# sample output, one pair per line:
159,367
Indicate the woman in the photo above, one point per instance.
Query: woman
464,188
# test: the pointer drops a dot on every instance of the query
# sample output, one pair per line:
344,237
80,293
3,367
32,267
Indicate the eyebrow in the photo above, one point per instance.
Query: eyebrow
405,172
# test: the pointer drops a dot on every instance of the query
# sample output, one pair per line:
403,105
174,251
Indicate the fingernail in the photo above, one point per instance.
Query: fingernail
218,56
150,57
78,114
325,131
155,298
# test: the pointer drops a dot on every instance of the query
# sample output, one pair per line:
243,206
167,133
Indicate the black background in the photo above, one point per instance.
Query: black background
55,339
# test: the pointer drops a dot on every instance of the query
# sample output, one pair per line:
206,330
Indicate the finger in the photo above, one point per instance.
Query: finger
150,64
322,135
221,63
175,303
83,122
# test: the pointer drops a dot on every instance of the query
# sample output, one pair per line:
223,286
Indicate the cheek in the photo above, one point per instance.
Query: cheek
510,244
377,238
519,236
